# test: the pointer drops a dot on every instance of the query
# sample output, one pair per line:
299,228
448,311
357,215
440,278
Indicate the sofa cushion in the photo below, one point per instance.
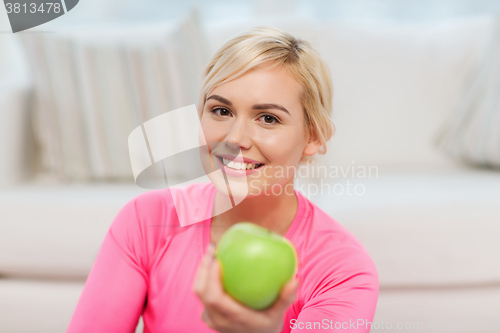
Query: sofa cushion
48,304
394,84
461,310
95,84
57,230
421,226
471,134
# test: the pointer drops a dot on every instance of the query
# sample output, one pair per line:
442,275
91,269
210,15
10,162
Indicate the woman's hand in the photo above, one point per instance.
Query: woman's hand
224,314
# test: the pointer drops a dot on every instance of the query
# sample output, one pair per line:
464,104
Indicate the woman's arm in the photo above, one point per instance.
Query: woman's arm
115,291
343,296
348,309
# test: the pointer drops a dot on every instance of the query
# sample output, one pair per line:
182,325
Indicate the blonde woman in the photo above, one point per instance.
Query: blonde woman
264,109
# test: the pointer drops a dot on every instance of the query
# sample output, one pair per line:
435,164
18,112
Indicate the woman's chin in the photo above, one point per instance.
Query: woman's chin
236,187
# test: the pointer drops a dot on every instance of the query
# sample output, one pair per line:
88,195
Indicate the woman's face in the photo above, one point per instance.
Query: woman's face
256,118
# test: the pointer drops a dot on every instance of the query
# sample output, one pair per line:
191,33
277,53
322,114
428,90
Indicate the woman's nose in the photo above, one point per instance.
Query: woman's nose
238,135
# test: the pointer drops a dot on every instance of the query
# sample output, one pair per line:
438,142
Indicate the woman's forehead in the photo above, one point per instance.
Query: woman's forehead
270,84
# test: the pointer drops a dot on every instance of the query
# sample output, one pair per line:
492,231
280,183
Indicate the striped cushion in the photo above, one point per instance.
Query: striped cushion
472,132
95,85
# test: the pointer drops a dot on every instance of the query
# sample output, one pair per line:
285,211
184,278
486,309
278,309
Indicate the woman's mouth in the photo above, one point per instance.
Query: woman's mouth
239,168
239,165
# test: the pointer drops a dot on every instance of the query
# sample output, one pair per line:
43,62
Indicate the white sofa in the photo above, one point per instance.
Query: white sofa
430,224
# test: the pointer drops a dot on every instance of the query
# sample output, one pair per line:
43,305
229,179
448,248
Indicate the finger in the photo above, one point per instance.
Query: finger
203,270
215,290
205,316
217,300
217,309
287,296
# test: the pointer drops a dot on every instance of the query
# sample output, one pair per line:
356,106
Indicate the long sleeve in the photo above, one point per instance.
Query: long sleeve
340,286
347,307
115,292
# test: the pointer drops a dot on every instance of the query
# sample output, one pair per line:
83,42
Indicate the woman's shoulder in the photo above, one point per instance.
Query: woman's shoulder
163,209
321,225
173,202
192,191
328,239
331,258
146,221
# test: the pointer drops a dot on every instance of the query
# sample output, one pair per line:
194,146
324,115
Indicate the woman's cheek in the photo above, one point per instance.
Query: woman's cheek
201,137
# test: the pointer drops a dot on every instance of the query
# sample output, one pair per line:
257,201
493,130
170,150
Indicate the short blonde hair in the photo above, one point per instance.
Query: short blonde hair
269,45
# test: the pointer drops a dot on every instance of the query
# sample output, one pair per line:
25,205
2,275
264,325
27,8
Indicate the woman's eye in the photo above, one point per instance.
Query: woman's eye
223,112
268,119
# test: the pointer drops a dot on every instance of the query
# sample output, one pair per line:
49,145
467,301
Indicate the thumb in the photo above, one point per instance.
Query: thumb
287,295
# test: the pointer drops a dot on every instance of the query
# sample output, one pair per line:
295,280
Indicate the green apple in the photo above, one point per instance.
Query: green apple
255,264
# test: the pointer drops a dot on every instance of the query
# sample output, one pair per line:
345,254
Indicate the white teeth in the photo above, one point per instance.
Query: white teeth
238,165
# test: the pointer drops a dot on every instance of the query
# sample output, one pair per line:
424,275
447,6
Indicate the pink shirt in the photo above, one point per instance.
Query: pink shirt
148,261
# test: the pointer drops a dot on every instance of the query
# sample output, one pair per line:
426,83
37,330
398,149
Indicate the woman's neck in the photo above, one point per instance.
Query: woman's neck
274,212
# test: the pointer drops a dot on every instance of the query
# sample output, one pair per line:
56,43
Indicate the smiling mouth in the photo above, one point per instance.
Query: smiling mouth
239,165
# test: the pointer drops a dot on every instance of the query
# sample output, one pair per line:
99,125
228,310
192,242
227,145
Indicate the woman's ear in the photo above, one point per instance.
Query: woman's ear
312,146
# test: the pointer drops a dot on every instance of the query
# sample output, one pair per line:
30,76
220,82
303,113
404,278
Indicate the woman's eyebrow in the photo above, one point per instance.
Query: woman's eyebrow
220,99
255,107
269,106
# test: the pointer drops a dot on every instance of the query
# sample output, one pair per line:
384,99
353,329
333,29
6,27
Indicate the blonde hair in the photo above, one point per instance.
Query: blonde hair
269,45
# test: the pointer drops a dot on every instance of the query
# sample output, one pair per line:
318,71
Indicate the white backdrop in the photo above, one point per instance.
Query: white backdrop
156,10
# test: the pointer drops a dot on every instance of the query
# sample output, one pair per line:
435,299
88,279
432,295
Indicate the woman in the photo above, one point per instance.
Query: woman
264,108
